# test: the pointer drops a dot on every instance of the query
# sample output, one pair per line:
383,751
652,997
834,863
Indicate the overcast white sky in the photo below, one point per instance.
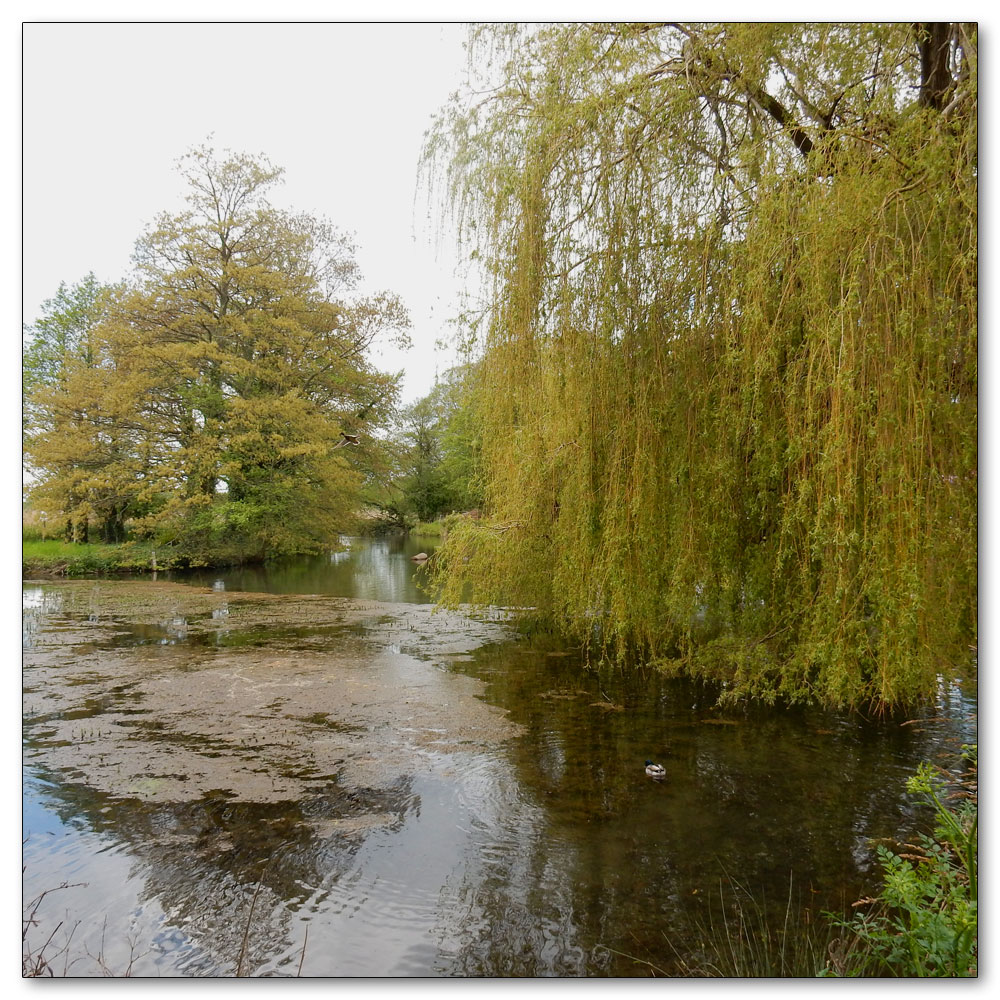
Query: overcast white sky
108,109
110,104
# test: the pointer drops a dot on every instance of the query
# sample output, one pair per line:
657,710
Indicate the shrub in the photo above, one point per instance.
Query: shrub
925,921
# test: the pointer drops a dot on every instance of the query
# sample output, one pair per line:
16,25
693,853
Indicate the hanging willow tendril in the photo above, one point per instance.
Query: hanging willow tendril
728,380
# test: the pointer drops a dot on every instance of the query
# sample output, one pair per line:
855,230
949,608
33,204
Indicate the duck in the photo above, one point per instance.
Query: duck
657,771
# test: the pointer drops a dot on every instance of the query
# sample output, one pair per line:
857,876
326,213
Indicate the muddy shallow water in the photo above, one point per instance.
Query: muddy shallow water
167,693
262,782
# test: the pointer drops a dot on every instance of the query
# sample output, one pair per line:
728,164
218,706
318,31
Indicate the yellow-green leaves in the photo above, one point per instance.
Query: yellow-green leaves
222,379
728,397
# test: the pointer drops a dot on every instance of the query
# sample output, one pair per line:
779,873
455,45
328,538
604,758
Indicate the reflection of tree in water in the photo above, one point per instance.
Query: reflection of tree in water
509,910
613,863
375,569
204,861
570,858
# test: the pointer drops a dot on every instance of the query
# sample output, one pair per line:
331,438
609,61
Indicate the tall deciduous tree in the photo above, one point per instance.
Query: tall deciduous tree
729,370
239,362
69,437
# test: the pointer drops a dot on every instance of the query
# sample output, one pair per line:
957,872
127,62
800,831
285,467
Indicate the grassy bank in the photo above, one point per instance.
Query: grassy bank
53,557
428,529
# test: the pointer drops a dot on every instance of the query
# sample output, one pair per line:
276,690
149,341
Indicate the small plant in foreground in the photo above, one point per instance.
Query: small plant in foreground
926,918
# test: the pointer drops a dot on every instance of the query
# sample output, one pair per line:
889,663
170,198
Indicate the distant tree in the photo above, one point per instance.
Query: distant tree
63,333
239,364
436,450
425,486
70,440
461,436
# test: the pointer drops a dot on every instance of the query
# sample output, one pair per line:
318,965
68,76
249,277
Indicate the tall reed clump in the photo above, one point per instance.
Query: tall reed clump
728,379
742,939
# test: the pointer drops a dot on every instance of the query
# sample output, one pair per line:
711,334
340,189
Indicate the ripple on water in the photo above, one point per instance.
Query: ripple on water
446,839
376,920
407,883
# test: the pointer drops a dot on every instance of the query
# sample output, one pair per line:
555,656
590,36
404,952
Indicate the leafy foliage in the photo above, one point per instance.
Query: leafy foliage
62,333
728,381
70,429
437,451
212,405
927,921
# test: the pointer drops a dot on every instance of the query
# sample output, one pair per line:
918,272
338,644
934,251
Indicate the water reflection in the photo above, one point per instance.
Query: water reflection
376,569
204,864
760,798
194,753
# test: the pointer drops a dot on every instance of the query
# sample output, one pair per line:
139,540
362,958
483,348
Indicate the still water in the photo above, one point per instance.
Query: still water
307,770
379,569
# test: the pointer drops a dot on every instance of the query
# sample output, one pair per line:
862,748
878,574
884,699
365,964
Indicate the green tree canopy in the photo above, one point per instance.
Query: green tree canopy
230,370
62,333
435,443
729,366
60,348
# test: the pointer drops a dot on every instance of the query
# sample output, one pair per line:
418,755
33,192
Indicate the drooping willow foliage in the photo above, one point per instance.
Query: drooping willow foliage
728,377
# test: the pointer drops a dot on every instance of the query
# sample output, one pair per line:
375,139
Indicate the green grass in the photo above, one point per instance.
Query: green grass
742,938
428,529
57,557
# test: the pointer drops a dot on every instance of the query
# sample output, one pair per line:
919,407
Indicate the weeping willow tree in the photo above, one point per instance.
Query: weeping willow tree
728,378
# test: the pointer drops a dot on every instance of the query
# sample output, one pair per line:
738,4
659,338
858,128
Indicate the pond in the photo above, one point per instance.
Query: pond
308,770
379,568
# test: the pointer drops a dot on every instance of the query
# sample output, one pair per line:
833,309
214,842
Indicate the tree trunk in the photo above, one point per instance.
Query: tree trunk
113,528
936,82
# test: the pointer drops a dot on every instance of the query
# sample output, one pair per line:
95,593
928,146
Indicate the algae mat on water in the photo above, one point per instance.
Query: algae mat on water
165,692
